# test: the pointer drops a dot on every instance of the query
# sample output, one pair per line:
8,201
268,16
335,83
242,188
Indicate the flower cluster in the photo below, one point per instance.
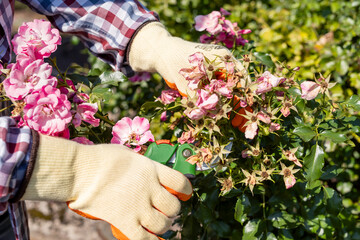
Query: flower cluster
52,105
220,29
243,105
132,133
38,102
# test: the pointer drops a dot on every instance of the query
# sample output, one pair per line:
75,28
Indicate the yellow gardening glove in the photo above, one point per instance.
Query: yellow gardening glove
136,195
153,49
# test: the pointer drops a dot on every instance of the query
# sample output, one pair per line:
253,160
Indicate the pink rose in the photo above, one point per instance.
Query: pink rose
245,153
132,133
266,82
204,38
47,111
193,75
169,96
263,117
64,134
309,90
289,181
244,31
225,38
208,22
241,41
140,76
224,12
285,111
187,137
197,59
195,114
251,130
163,116
206,100
38,34
274,127
229,27
76,118
86,111
82,140
29,53
80,97
221,87
27,76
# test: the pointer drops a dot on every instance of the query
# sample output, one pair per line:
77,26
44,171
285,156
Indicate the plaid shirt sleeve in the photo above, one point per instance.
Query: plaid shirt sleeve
6,19
14,153
105,26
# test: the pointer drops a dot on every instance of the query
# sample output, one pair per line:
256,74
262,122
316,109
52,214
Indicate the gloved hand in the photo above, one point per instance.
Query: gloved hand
153,49
135,195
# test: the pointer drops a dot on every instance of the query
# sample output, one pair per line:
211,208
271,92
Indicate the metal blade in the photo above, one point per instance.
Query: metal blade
204,166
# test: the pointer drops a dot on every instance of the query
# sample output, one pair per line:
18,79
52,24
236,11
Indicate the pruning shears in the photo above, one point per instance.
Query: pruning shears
175,156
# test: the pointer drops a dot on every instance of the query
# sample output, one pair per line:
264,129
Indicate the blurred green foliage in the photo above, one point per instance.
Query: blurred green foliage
318,36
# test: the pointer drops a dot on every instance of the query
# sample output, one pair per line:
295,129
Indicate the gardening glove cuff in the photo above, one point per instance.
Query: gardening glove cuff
153,49
135,195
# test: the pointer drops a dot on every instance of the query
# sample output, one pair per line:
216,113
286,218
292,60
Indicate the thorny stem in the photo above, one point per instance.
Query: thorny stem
264,212
57,68
104,119
6,108
92,132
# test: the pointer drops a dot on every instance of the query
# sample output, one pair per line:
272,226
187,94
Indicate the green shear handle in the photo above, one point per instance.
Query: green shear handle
173,155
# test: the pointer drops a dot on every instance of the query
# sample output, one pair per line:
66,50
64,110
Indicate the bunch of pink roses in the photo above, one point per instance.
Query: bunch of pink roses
220,29
54,105
43,102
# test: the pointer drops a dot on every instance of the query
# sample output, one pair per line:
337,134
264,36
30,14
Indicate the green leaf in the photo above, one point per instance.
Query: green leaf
112,78
330,172
294,91
236,234
343,67
284,220
242,207
250,231
305,133
264,58
285,234
95,72
336,137
191,228
204,214
344,187
313,163
333,201
321,226
78,78
150,106
221,228
271,236
354,102
315,186
103,93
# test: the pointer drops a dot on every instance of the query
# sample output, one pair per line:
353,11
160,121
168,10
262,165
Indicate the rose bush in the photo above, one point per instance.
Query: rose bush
278,180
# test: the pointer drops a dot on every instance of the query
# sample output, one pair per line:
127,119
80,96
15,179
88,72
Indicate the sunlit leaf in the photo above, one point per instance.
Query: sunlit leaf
313,163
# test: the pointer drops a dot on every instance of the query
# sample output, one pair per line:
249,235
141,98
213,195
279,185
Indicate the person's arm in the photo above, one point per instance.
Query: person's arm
105,26
109,182
6,20
14,153
128,36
